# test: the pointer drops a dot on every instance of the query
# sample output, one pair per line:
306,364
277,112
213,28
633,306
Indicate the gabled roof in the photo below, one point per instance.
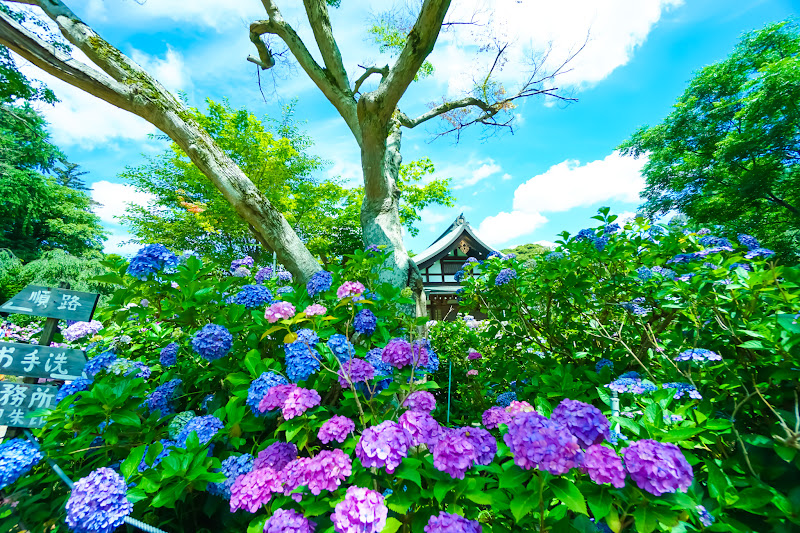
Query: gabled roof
460,228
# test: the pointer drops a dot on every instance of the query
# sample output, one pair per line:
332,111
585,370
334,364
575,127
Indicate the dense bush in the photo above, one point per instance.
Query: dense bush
230,399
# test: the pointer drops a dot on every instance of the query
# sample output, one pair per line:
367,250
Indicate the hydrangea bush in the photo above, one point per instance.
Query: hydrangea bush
325,408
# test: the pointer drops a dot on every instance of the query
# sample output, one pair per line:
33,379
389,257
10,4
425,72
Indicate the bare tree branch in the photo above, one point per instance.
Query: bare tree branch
265,59
319,19
369,72
341,99
419,45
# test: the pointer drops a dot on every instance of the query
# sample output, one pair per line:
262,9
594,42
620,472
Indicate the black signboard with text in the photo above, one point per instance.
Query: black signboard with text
53,302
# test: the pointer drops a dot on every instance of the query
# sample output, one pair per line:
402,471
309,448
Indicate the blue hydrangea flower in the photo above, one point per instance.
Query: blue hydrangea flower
505,276
601,242
749,241
206,403
705,517
663,272
233,467
98,363
165,451
280,291
493,254
319,282
365,322
284,276
699,355
212,342
433,358
604,363
710,241
205,426
252,296
151,259
301,361
246,261
759,252
98,503
458,276
382,368
683,388
17,457
630,375
554,256
634,307
683,258
259,387
745,266
611,228
644,273
469,262
586,234
68,389
169,354
341,347
162,399
505,399
307,336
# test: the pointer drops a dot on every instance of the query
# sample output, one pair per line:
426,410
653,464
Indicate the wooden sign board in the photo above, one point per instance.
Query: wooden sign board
32,360
53,303
18,400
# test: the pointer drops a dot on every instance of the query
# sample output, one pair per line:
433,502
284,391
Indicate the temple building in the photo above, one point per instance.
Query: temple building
439,263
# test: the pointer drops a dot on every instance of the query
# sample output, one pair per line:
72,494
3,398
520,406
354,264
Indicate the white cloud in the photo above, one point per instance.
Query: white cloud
547,244
170,71
562,187
471,172
115,198
506,176
503,227
118,243
570,184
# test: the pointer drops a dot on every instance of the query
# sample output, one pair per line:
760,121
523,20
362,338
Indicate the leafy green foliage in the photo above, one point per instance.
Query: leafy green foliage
391,35
728,152
526,252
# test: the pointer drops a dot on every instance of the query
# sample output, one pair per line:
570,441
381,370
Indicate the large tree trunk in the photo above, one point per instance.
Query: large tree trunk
380,216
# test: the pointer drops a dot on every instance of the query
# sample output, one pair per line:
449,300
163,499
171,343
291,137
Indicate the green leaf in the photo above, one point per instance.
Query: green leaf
441,489
520,507
753,345
789,322
513,477
645,519
392,525
127,418
131,463
566,491
681,434
600,503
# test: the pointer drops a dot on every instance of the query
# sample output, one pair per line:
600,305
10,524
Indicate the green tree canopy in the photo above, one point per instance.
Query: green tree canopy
728,153
528,251
188,212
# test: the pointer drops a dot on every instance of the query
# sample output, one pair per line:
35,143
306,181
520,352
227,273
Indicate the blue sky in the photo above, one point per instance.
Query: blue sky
551,175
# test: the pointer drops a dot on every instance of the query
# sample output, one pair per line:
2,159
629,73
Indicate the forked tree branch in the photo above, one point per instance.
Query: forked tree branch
320,21
369,72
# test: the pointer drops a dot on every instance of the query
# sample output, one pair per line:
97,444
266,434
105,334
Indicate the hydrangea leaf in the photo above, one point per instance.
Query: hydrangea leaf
566,491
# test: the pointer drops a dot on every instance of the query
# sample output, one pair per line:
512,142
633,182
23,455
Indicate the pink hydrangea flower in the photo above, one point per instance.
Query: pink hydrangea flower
519,407
472,372
298,401
251,491
278,311
315,310
350,288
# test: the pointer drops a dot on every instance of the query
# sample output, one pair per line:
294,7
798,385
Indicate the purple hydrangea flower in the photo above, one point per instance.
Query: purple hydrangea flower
233,467
301,360
241,272
252,296
327,470
151,259
298,401
361,511
319,282
245,261
397,353
537,442
420,401
260,386
365,322
284,276
484,443
288,521
419,354
451,523
169,354
454,454
341,347
336,428
98,503
584,421
212,342
382,369
474,354
355,370
163,398
505,276
603,465
264,274
205,427
683,388
657,467
383,445
79,330
698,355
276,456
17,457
494,416
252,490
293,476
422,427
68,389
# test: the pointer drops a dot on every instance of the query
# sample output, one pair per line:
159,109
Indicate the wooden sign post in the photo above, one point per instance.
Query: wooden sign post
32,361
